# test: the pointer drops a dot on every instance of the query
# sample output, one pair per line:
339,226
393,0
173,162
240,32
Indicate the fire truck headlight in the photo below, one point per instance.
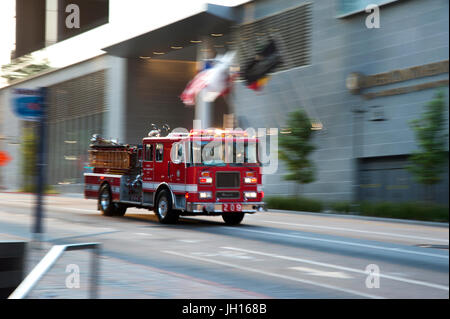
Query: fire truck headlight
205,178
250,180
205,195
250,194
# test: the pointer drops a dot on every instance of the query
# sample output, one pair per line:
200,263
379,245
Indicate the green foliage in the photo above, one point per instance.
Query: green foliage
407,210
427,164
344,207
294,203
296,146
29,151
29,160
23,67
31,188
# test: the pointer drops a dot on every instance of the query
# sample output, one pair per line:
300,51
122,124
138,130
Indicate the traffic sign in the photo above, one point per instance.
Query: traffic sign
28,104
4,158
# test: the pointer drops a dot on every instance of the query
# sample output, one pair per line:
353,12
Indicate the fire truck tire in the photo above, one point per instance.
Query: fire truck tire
163,208
233,218
119,209
107,207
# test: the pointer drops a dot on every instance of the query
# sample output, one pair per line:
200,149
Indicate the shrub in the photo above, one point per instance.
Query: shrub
344,207
407,210
294,203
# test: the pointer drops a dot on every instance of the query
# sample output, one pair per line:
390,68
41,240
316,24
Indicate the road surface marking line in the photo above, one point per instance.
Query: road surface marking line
70,209
341,242
27,205
359,271
320,273
309,282
358,231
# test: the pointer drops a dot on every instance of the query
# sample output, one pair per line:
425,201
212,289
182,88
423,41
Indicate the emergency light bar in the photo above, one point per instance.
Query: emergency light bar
216,132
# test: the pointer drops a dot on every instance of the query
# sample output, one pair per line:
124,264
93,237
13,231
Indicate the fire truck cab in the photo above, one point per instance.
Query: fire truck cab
203,172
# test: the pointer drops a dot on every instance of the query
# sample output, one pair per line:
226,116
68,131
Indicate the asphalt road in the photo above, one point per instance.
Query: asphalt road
270,255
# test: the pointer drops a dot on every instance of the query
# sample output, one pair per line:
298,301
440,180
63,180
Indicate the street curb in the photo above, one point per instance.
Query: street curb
350,216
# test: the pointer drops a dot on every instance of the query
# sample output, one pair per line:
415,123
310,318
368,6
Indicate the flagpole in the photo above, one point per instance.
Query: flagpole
203,108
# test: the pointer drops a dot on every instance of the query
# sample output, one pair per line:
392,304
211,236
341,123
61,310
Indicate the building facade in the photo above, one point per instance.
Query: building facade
362,86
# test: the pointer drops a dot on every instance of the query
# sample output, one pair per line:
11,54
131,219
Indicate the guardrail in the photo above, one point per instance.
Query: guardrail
49,260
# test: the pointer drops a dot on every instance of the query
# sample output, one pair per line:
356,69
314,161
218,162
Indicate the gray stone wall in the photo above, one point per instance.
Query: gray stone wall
412,33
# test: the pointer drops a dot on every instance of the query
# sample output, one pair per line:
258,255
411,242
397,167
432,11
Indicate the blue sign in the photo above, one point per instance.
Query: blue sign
28,104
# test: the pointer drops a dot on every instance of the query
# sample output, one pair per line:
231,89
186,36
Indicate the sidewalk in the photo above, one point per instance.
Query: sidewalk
124,280
354,216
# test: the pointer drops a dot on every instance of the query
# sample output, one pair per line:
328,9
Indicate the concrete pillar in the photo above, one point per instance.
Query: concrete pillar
116,85
203,110
51,22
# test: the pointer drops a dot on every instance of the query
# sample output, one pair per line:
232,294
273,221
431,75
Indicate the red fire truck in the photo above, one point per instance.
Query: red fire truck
201,172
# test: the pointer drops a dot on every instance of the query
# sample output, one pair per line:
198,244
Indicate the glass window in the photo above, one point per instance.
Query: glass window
218,153
159,152
148,152
349,7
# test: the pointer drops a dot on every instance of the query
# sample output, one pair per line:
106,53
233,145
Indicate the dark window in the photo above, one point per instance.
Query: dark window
159,152
149,152
291,30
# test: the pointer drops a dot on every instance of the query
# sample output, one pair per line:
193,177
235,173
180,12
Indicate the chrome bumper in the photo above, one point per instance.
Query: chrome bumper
247,207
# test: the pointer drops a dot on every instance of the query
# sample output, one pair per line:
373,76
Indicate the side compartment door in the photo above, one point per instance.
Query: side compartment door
148,168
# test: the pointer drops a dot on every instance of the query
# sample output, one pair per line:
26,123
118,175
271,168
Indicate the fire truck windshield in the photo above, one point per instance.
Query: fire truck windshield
221,153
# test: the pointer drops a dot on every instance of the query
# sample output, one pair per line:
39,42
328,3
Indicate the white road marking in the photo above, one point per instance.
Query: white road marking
309,282
343,268
315,272
143,234
71,209
341,242
190,241
27,205
359,231
227,254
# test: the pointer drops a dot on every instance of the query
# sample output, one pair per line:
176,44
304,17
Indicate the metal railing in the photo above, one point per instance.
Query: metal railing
47,263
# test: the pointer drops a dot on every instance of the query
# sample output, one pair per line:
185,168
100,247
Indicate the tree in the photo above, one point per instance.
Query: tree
428,162
23,67
296,146
29,150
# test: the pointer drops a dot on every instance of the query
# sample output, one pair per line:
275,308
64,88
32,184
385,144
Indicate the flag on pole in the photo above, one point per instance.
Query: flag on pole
215,81
257,70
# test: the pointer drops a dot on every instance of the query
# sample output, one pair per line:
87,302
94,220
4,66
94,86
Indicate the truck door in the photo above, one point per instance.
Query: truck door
160,164
177,171
148,172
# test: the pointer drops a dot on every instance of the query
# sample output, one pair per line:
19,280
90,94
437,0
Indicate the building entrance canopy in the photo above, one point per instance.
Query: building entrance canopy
177,41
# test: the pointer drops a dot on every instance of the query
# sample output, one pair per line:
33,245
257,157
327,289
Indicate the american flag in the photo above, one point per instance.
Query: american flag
216,81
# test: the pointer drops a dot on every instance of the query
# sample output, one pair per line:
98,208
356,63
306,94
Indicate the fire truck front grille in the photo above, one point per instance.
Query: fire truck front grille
227,195
227,179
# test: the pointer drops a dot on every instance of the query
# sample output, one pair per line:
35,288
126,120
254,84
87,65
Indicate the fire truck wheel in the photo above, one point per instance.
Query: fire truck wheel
233,218
105,201
163,208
